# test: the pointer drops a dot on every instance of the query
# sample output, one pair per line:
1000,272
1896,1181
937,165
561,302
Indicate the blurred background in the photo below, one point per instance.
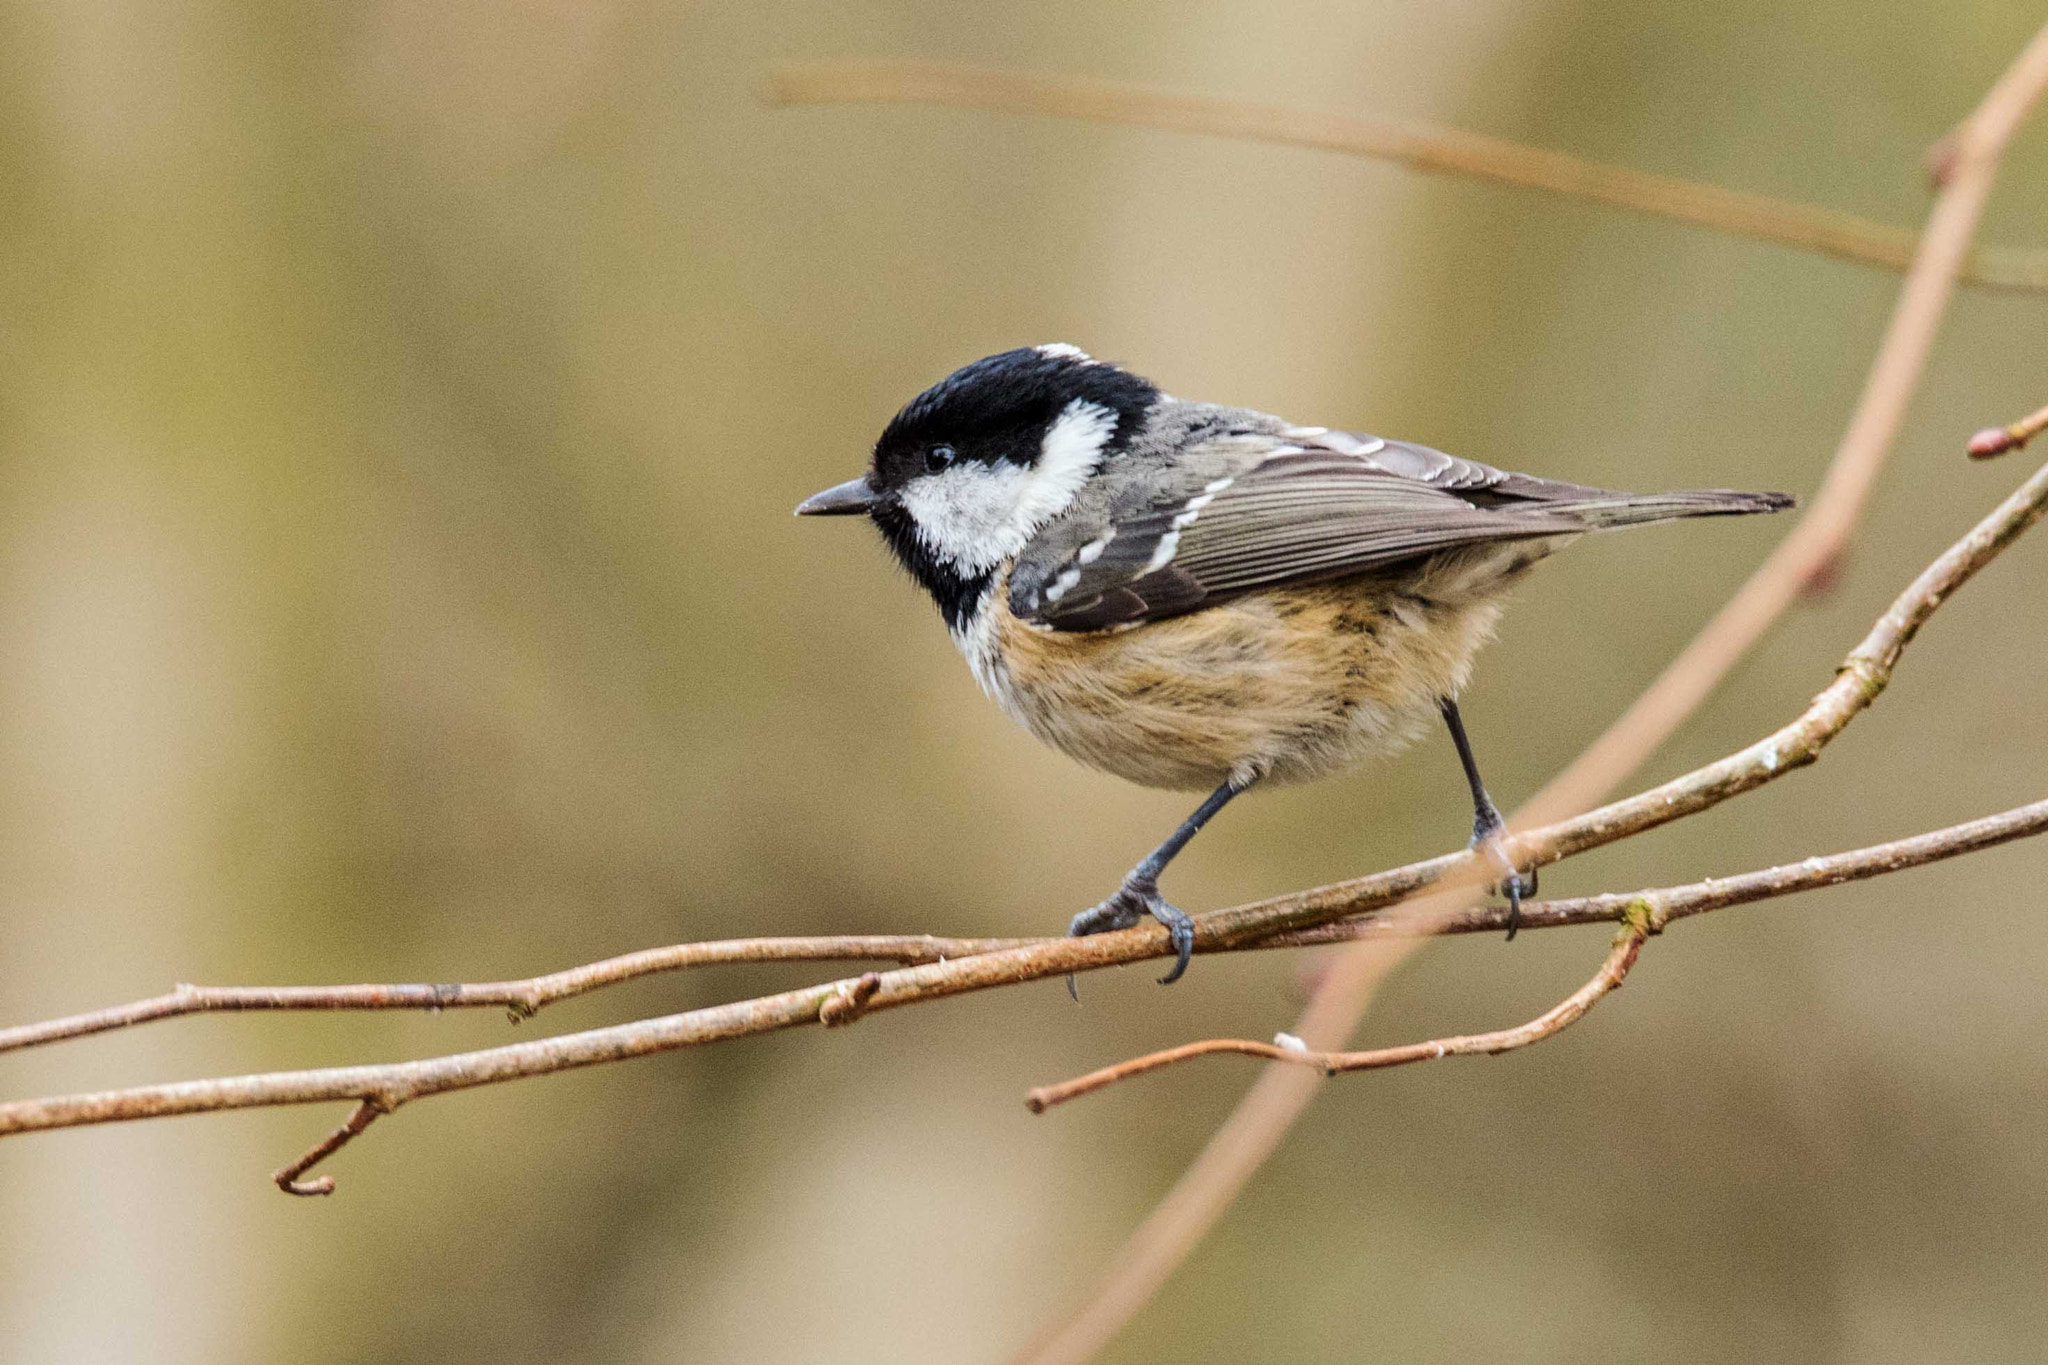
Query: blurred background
402,406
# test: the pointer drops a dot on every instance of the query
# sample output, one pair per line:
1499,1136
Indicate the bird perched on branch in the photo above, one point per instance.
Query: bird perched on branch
1201,597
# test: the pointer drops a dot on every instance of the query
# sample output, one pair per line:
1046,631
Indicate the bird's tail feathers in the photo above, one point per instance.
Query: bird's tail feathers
1639,509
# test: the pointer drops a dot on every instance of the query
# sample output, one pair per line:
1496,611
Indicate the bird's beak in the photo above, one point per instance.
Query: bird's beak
840,500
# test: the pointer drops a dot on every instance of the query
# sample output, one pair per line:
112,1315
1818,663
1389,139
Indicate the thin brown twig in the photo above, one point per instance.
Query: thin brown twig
366,1112
1653,908
1418,145
1254,1130
1860,680
1628,943
523,998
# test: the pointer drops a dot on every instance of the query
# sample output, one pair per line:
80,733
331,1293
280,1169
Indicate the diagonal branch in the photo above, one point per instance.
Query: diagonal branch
1417,145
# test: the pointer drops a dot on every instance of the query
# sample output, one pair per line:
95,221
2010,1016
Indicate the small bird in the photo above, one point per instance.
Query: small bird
1199,597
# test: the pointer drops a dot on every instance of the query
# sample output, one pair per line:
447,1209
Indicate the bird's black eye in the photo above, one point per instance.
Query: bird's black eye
937,458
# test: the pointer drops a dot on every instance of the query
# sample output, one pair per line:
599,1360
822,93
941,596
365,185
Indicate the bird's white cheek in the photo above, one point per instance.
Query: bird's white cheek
968,515
977,514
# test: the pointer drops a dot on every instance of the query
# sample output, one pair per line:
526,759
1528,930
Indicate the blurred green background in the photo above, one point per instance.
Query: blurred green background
402,406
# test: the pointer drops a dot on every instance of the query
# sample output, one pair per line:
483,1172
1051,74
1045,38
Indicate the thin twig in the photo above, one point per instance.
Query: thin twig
1622,956
288,1179
1254,1130
1417,145
522,998
1655,909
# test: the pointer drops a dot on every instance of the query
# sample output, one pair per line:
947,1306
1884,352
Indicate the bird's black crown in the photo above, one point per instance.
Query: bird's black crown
1000,407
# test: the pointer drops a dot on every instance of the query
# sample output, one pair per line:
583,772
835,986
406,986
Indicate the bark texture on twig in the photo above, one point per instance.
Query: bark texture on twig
288,1178
522,999
1613,970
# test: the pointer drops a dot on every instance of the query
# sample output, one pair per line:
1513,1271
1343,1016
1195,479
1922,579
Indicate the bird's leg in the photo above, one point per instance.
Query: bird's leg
1487,826
1139,894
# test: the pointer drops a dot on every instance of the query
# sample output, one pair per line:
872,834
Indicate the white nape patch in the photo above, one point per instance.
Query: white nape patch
1062,585
1065,350
975,515
1168,545
1068,457
1092,551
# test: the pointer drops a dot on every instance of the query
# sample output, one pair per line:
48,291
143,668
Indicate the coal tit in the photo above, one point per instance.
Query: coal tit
1201,597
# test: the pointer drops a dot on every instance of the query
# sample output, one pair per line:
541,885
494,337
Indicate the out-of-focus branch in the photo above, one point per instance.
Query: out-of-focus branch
1966,170
1643,912
1417,145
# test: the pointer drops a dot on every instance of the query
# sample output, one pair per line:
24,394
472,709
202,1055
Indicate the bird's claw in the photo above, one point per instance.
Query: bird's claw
1489,836
1134,900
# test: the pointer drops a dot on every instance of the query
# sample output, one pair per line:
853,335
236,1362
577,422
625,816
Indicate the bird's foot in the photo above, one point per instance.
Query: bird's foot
1489,836
1135,899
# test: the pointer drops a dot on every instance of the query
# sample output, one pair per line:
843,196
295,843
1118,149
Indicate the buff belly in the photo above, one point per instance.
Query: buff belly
1286,685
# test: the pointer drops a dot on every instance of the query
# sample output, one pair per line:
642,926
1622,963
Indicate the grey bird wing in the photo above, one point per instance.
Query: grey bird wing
1246,511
